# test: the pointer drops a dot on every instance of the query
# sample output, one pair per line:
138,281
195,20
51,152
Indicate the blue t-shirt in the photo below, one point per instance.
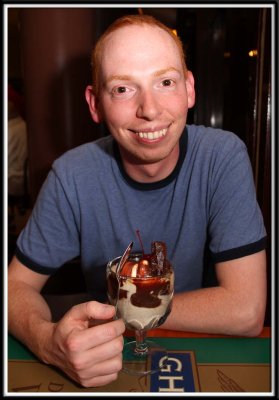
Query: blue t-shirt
206,210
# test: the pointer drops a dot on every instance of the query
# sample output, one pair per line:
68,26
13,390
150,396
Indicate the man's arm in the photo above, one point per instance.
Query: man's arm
28,313
235,307
90,355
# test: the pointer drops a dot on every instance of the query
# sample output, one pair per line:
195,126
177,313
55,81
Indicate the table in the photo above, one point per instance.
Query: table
197,363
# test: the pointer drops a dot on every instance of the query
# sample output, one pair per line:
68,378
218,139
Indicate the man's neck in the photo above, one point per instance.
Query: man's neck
153,172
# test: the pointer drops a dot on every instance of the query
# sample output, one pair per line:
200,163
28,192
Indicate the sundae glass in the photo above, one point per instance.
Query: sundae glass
141,289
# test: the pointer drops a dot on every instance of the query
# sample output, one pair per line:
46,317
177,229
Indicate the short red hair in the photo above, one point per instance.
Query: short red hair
121,22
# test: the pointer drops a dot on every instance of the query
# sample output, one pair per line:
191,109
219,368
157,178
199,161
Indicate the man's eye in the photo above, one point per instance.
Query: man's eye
120,89
167,82
122,92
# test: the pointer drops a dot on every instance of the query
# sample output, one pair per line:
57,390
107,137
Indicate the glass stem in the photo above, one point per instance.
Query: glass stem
141,346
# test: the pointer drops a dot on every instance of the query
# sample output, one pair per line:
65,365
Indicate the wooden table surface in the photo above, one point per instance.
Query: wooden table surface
215,363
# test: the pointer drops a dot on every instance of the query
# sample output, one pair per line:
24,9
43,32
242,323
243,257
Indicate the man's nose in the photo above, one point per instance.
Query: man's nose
148,105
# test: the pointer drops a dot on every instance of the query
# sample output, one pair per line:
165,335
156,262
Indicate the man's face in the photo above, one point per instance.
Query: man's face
144,95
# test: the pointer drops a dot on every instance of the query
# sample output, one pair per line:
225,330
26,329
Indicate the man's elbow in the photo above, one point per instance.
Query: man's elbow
252,321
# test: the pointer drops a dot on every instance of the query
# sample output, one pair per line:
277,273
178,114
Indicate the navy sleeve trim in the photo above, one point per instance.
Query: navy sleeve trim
33,265
239,252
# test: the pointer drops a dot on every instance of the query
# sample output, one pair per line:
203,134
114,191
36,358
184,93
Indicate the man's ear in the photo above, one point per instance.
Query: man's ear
93,104
190,87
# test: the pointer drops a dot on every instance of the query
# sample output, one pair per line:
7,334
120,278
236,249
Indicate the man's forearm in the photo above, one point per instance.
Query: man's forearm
213,310
29,317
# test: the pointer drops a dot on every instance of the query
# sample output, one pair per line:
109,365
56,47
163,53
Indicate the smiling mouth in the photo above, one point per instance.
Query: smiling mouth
152,135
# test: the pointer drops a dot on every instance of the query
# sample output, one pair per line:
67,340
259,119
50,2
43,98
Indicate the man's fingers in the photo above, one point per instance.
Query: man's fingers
92,310
105,368
99,380
96,336
106,351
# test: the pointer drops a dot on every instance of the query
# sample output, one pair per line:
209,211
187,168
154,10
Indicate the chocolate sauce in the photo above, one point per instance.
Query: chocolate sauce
112,286
148,265
147,291
150,280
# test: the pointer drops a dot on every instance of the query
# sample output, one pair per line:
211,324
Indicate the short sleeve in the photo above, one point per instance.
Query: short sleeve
236,226
51,236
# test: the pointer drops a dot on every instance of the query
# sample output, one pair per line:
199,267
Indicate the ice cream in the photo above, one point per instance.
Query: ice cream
145,288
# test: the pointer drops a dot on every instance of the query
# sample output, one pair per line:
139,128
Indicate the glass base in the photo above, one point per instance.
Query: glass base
150,359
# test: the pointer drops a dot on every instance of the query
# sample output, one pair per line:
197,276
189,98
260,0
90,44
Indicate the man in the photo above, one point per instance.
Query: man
190,187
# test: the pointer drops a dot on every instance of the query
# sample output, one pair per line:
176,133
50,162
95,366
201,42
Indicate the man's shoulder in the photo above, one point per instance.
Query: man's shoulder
213,137
210,132
87,153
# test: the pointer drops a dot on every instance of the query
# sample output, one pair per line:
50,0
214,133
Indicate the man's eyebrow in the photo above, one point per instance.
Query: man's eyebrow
119,78
165,70
129,77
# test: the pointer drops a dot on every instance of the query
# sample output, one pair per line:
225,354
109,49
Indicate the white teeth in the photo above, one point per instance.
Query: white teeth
152,135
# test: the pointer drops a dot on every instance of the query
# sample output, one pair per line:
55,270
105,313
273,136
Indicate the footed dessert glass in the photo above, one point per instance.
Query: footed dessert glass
143,303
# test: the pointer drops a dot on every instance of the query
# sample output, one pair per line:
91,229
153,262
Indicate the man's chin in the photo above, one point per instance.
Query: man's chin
141,159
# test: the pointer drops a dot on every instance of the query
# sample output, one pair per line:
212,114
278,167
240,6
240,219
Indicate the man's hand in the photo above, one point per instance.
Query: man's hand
92,356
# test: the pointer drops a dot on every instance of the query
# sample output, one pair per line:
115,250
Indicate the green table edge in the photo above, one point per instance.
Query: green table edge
207,350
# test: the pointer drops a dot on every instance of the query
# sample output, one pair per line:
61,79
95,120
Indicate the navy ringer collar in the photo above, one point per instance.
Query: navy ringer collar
159,184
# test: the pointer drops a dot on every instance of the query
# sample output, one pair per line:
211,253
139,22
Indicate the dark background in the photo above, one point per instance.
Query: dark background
49,65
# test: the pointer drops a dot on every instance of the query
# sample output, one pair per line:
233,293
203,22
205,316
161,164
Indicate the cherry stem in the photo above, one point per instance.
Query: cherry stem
138,234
